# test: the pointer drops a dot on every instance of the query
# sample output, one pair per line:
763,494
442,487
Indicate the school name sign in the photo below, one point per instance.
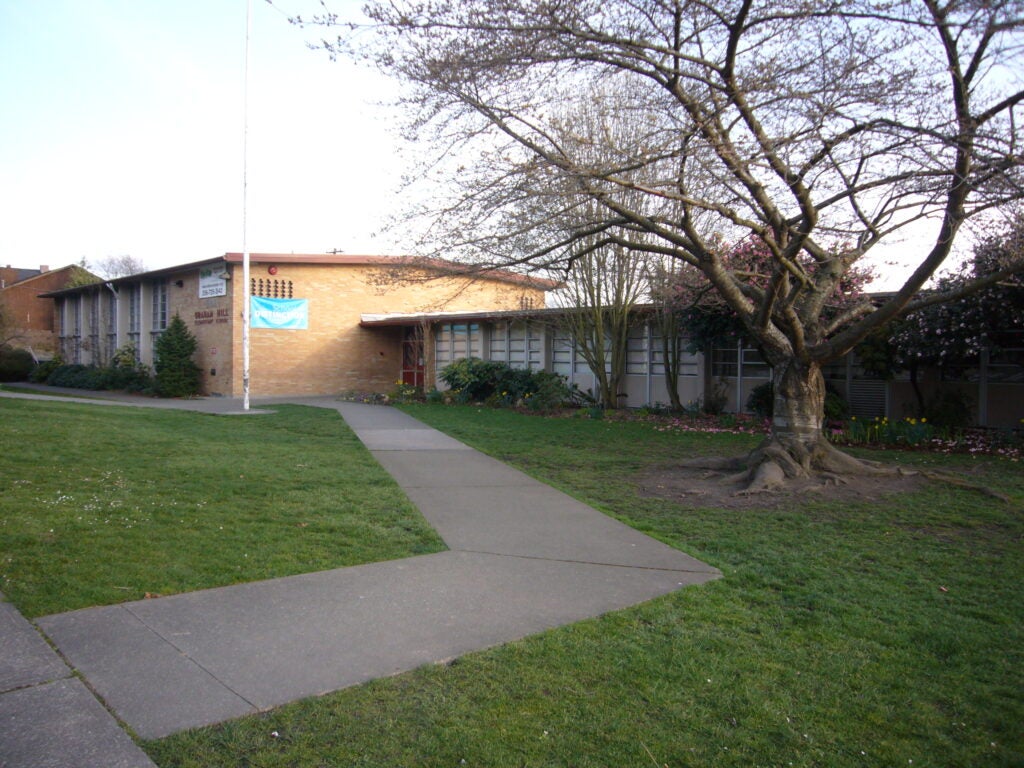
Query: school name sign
279,314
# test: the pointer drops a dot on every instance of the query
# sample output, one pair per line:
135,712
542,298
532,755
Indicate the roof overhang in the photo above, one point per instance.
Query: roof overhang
428,318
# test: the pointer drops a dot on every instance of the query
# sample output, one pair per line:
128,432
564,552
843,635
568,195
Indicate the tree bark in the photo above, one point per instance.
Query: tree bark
799,402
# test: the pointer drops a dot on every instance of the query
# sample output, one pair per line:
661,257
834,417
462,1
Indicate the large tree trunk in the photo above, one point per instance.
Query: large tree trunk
797,447
799,402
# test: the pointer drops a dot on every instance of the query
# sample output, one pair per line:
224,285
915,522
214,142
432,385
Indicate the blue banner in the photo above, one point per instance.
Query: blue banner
279,314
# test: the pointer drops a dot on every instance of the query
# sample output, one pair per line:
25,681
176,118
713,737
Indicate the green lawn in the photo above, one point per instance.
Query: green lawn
854,634
103,504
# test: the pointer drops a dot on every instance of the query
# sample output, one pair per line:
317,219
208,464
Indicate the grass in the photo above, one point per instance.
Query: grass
842,634
100,505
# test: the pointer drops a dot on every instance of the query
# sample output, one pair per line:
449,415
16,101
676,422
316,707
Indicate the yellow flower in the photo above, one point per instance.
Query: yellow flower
924,420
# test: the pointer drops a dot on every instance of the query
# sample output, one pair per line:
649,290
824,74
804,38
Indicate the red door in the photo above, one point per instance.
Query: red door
412,356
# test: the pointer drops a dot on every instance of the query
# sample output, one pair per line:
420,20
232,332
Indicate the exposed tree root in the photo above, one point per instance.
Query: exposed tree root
770,467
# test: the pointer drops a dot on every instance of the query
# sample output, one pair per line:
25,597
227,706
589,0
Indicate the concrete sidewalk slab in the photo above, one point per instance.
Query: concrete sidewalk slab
267,643
450,469
61,725
26,658
360,416
539,521
409,440
141,675
47,717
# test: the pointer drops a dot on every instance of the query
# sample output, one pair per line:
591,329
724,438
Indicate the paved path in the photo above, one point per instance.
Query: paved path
523,558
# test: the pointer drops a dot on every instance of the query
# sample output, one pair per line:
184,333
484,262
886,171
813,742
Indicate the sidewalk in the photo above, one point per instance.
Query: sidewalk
523,558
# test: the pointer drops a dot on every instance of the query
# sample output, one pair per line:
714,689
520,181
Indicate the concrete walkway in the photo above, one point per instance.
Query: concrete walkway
523,558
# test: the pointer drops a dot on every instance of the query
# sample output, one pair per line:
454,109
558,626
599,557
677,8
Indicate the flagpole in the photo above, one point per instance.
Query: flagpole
245,196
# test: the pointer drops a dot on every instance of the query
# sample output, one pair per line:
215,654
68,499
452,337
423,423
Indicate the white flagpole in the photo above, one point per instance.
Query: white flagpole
245,194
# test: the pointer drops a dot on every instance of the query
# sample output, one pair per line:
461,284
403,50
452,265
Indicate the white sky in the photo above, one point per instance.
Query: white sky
121,133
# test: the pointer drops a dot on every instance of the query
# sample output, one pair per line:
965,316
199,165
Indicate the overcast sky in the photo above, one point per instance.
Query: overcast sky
121,134
121,125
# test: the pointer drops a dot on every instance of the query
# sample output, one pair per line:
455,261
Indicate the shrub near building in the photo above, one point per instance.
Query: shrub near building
15,364
177,374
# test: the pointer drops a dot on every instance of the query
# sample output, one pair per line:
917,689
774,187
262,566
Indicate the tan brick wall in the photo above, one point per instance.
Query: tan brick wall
211,322
335,354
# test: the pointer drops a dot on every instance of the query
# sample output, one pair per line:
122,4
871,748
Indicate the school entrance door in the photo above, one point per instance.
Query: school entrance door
412,356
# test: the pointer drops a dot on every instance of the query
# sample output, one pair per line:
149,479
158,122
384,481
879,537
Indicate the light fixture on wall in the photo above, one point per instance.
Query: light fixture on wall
180,283
272,270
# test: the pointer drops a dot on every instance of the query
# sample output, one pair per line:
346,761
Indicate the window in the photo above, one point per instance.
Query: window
535,345
94,327
456,341
517,345
1006,364
732,360
159,324
526,346
111,325
562,353
637,350
442,346
134,315
75,310
497,344
754,365
725,361
688,361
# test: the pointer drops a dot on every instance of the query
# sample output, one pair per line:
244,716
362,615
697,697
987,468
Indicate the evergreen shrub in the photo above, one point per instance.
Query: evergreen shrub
472,380
15,364
177,374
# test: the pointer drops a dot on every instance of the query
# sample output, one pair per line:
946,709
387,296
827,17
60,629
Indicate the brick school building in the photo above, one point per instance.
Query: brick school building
306,334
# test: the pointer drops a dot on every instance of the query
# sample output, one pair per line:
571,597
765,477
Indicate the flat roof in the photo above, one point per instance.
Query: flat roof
371,320
339,259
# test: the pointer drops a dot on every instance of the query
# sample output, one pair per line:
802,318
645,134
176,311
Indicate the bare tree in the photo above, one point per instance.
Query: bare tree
821,127
112,267
602,288
664,278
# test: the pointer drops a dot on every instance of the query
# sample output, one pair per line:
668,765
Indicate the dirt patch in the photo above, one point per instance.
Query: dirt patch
692,487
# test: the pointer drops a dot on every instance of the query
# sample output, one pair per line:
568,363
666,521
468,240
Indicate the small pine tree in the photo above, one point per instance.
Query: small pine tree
177,375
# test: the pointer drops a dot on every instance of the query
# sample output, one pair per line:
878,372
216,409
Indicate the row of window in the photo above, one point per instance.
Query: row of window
102,319
521,345
71,316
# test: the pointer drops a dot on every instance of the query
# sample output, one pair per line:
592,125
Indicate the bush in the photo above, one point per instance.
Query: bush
761,401
715,401
123,374
950,409
473,380
177,374
15,364
548,391
43,370
836,407
406,393
75,376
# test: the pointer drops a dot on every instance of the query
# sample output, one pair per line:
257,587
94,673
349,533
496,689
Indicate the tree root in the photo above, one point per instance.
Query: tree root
776,463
